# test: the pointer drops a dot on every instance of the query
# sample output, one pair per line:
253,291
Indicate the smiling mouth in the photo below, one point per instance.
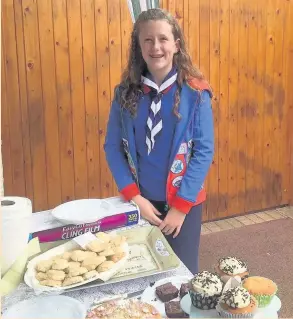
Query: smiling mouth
157,56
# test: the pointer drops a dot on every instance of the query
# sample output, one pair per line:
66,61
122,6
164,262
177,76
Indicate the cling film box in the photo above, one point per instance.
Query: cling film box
48,229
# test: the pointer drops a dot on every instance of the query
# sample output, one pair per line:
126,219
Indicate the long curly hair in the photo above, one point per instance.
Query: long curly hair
130,88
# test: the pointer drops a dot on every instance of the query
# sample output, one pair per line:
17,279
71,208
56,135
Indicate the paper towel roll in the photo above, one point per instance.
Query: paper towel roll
16,218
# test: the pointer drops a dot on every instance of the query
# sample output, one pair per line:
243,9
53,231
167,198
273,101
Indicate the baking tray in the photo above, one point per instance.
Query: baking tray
149,254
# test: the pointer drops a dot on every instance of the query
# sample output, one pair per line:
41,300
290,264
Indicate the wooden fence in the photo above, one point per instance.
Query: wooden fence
62,58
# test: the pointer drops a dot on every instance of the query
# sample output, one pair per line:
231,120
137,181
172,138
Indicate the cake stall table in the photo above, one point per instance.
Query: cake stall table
89,295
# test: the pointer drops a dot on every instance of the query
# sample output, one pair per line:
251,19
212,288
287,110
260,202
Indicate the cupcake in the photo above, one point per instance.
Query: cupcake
263,289
205,290
230,267
237,303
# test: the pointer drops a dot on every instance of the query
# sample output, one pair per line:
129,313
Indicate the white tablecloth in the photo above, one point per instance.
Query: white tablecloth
87,296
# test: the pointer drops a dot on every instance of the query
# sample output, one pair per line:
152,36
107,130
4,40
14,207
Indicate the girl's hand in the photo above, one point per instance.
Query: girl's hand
172,222
147,210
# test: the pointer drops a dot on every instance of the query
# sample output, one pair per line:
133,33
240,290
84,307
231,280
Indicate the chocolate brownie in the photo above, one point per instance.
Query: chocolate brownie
166,292
173,310
184,289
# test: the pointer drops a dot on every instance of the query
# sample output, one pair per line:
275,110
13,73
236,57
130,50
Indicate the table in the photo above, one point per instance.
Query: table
87,296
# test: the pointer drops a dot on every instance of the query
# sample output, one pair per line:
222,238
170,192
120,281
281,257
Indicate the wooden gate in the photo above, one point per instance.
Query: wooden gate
62,58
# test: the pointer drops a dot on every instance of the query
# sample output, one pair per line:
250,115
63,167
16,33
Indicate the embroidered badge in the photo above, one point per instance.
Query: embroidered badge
177,167
177,181
182,149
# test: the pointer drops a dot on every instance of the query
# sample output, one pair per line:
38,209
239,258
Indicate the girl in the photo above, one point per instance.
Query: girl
159,143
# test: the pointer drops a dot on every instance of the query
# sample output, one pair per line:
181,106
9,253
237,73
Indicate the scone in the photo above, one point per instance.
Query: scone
93,263
60,264
76,272
205,290
237,303
72,280
41,276
263,289
96,246
105,266
78,255
44,265
72,265
107,252
126,309
66,255
56,274
230,267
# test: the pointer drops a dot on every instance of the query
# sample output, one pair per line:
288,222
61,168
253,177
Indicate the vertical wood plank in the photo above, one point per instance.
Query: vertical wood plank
49,102
260,185
179,13
19,34
171,6
268,151
103,66
251,107
242,96
290,105
233,109
287,136
193,33
126,30
114,23
213,190
224,108
164,4
35,102
5,127
13,100
91,97
204,32
77,98
278,105
204,61
63,98
186,20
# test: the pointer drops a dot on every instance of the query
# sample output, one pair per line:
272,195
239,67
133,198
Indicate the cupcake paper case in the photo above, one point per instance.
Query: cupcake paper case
237,303
263,289
205,290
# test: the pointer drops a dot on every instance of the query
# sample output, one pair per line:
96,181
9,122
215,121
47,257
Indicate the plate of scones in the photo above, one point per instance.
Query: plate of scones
71,265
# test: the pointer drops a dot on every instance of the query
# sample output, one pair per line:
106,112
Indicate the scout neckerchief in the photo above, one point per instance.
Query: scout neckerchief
154,121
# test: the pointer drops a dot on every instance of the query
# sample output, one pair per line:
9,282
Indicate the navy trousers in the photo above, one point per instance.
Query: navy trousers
186,244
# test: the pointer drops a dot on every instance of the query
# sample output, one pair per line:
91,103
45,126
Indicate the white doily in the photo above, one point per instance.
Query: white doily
89,295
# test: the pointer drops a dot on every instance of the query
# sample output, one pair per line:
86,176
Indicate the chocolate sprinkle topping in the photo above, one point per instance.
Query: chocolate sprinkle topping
230,269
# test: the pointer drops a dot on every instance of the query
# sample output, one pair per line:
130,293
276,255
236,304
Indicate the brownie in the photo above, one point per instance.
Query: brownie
184,289
166,292
173,310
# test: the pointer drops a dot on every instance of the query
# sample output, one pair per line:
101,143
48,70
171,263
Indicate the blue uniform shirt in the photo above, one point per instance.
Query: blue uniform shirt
153,168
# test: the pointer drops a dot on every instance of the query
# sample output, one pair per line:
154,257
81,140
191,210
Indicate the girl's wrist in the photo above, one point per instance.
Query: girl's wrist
136,198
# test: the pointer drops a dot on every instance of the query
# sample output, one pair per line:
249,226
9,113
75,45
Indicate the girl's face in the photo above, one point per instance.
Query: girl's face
158,45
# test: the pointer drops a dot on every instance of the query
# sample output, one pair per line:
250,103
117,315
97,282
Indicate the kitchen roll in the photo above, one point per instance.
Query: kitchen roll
16,213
